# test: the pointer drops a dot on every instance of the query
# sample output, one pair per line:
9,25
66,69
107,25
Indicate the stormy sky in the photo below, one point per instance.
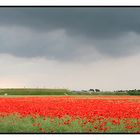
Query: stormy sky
74,48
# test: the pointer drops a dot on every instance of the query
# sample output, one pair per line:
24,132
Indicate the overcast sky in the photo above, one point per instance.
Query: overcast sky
74,48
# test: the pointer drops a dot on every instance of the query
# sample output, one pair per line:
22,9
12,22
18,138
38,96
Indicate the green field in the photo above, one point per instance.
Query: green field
28,91
33,91
17,124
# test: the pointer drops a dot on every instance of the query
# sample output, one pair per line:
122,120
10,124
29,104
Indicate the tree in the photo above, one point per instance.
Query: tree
91,90
97,90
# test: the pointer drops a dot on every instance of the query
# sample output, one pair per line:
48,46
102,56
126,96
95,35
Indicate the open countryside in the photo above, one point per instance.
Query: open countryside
52,111
69,69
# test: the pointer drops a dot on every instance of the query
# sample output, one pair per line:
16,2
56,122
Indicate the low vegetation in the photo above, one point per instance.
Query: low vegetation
25,91
28,91
17,124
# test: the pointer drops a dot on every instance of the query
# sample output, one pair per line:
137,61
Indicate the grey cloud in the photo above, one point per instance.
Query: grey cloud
67,34
60,46
93,22
124,45
55,44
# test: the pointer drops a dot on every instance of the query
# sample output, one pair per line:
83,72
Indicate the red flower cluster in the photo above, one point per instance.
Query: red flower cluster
106,107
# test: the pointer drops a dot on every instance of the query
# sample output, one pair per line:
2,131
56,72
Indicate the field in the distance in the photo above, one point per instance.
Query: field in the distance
38,91
70,114
27,91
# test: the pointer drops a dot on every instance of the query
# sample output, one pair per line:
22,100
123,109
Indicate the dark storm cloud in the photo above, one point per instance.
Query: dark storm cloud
97,22
109,31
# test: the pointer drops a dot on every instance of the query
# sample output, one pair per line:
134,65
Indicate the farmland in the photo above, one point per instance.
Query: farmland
24,91
70,114
38,91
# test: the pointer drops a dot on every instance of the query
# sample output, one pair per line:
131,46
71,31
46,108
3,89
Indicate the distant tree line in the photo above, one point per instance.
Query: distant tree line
99,92
130,92
94,90
134,92
121,92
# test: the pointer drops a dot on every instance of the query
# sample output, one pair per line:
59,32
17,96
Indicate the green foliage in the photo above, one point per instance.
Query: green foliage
99,93
133,92
26,91
18,124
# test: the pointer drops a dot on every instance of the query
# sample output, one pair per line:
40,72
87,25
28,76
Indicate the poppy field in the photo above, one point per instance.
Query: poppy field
70,114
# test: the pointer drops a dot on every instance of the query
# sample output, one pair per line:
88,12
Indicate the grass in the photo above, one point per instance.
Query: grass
18,124
28,91
33,91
